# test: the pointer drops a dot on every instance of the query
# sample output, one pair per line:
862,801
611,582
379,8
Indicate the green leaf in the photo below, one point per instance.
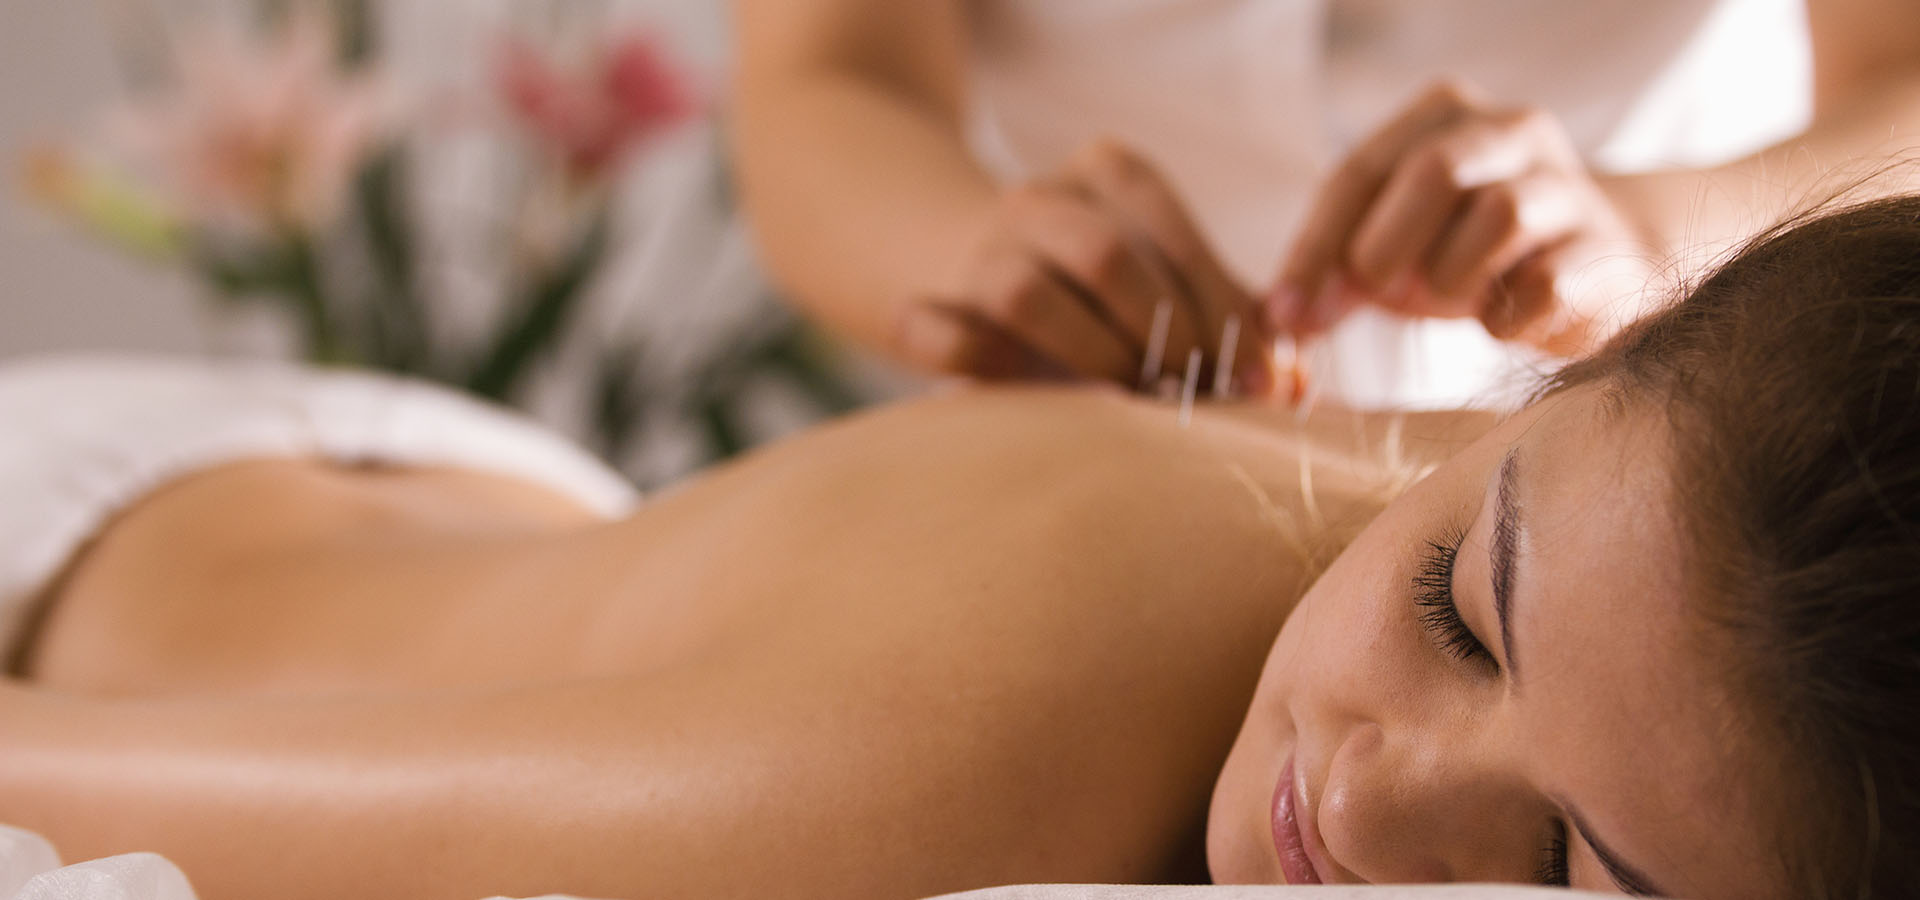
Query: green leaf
257,271
308,293
359,40
397,317
723,433
541,316
619,400
286,270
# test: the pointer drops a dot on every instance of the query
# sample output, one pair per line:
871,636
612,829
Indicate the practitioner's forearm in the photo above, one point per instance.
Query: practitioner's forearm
1866,123
1708,208
861,191
859,200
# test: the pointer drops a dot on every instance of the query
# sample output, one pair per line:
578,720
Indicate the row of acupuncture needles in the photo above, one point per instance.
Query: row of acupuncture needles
1150,367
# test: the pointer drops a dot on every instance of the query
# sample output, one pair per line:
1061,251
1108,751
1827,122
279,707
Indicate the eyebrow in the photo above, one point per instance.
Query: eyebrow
1501,551
1503,548
1625,876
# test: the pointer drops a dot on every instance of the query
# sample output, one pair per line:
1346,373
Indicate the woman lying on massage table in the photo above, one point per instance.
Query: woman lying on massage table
1655,632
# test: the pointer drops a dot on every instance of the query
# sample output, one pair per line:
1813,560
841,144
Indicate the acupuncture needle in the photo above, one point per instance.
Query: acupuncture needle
1189,386
1307,390
1223,367
1156,344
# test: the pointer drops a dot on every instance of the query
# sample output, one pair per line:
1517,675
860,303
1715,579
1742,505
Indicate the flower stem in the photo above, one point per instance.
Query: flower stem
310,302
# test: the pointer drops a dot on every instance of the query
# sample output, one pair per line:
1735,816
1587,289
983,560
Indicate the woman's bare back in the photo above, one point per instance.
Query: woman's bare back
987,637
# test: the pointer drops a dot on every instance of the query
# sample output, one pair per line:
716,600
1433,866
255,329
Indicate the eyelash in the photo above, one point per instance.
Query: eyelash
1553,863
1433,593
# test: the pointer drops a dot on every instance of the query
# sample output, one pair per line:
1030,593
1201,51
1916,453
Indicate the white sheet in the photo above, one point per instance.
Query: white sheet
1269,892
31,870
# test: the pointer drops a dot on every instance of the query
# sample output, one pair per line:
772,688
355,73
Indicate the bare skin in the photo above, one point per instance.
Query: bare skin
984,638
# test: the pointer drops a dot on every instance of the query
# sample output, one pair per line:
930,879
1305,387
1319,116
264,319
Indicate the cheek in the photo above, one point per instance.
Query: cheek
1342,652
1358,616
1356,631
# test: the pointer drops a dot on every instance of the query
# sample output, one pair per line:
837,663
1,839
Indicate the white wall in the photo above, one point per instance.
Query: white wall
59,290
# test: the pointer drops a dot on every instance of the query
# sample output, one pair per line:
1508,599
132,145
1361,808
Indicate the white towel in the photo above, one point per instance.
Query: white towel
82,437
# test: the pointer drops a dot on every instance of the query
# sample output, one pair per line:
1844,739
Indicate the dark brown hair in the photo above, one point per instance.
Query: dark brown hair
1791,378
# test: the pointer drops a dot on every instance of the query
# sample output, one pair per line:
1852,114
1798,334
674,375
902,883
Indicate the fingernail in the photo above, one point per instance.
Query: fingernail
1399,292
1282,308
1255,380
1329,306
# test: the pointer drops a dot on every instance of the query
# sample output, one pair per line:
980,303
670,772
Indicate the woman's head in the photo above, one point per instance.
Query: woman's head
1704,545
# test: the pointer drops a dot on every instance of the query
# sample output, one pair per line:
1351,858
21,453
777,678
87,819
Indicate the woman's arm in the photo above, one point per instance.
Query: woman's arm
873,215
852,163
748,783
1866,115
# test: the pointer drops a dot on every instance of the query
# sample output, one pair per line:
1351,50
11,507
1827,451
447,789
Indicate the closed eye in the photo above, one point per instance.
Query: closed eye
1439,614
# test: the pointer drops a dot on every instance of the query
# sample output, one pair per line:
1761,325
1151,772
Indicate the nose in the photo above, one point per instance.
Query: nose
1418,806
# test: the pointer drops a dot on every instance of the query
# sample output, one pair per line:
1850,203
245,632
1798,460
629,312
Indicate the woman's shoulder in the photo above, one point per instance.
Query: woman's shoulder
1098,478
1031,441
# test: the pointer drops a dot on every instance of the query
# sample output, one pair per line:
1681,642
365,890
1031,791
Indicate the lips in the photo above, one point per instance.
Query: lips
1288,842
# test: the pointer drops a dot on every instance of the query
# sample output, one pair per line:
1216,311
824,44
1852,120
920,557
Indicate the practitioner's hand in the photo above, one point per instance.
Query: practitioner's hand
1459,208
1064,279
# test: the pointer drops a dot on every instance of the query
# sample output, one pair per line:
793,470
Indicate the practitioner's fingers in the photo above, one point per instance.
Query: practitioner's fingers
950,337
1428,188
1502,225
1520,305
1457,208
1137,193
1536,300
1024,296
1305,294
1110,269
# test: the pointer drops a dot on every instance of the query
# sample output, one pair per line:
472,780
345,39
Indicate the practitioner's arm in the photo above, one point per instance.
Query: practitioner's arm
1866,117
847,119
873,215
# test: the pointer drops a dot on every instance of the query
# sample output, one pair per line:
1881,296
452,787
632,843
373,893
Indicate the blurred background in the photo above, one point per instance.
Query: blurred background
532,200
528,200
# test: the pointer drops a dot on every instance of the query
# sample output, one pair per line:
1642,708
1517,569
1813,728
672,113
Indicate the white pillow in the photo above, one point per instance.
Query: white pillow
1268,892
23,855
132,876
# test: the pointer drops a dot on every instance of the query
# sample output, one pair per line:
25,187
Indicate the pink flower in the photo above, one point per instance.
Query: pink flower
590,117
260,133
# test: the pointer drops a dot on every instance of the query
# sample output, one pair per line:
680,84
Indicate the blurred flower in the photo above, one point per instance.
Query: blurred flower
102,201
262,133
591,116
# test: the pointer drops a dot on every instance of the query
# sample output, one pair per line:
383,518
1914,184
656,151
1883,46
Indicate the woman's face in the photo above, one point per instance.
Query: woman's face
1568,711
